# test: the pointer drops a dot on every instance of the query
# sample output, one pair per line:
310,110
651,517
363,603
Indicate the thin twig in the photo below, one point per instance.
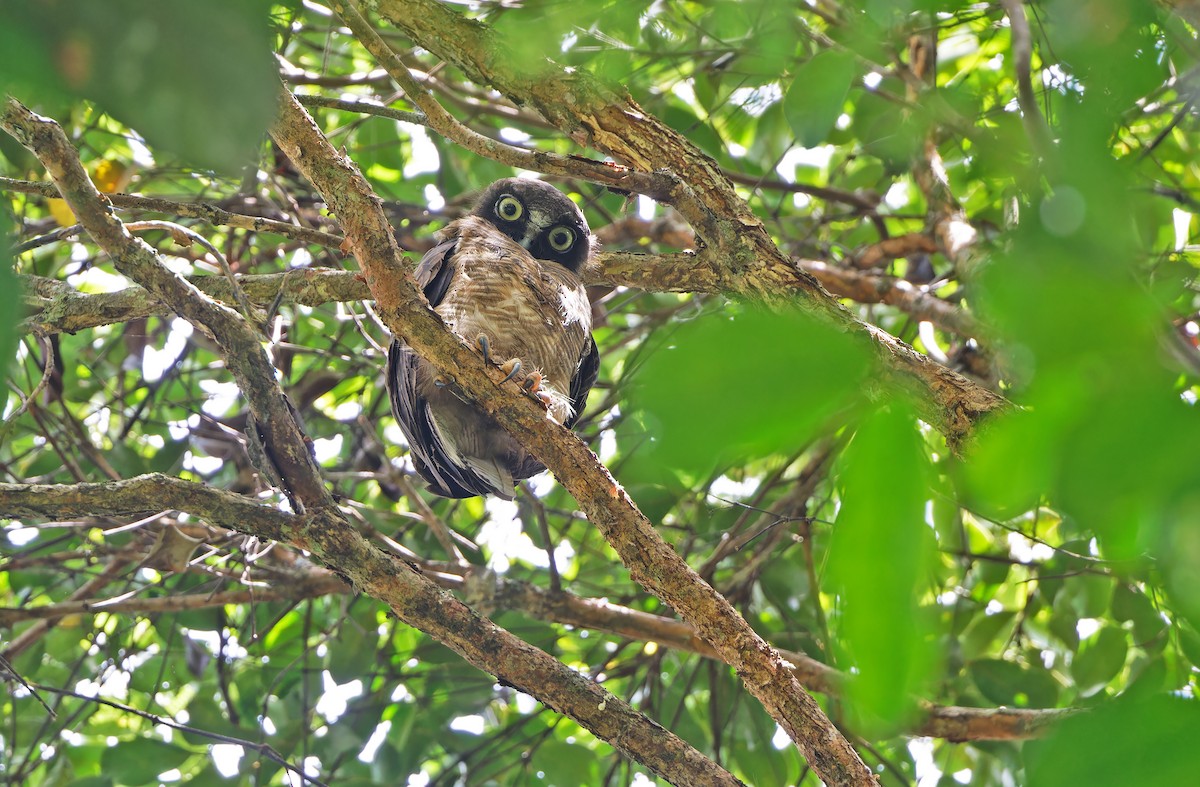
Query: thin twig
264,749
1022,51
192,210
182,235
365,107
656,185
7,670
27,401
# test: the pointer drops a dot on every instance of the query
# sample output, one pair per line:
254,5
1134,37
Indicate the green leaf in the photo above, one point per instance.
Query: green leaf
1125,742
140,760
879,563
379,145
1090,595
1147,677
985,630
1007,683
680,117
727,387
566,764
209,714
1100,659
1189,643
817,95
168,69
756,759
352,653
1132,605
992,572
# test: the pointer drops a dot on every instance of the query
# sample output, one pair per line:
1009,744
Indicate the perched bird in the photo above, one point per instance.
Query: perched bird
506,279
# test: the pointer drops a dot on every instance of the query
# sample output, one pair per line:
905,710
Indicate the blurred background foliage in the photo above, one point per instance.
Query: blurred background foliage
893,148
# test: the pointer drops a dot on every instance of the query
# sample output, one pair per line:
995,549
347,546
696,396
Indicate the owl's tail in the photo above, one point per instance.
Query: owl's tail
494,472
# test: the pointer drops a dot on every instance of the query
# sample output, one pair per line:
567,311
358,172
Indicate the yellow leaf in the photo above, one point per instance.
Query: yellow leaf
112,176
61,212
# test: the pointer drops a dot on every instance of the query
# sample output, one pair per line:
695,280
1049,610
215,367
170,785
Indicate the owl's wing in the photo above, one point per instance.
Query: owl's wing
435,270
428,453
411,410
584,379
581,383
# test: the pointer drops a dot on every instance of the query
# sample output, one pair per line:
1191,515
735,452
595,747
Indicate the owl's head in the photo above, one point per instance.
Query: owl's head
539,217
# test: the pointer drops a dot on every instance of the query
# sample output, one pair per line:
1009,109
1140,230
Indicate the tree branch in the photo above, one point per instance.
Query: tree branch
652,184
142,495
234,512
955,234
323,529
239,344
192,210
652,563
523,666
59,307
1022,56
739,254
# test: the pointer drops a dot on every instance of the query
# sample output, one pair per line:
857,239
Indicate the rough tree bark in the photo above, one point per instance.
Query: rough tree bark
652,563
319,526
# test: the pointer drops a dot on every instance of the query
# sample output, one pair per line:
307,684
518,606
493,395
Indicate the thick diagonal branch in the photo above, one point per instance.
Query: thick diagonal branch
239,344
739,254
651,562
324,530
230,511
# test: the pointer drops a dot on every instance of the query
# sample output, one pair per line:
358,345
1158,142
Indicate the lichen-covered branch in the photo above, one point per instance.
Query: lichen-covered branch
58,307
227,510
739,254
192,210
652,563
144,494
322,528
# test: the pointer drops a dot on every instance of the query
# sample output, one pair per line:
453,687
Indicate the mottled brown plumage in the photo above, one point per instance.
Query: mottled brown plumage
509,273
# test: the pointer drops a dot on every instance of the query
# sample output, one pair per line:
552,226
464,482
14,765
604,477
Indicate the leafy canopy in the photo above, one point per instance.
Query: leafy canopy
1043,248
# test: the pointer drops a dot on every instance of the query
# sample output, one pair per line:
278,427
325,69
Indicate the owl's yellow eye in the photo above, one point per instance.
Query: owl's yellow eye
509,208
561,238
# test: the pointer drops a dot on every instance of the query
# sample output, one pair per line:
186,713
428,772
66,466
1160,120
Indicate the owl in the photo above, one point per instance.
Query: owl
506,279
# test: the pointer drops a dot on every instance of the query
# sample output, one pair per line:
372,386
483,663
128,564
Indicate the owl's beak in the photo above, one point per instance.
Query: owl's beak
539,220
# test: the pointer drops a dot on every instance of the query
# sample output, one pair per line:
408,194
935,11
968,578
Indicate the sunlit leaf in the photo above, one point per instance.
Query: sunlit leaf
743,384
879,563
984,632
817,95
1100,659
1123,743
169,70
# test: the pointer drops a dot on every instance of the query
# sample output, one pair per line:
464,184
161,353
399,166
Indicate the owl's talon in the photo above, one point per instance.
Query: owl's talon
532,387
485,347
533,383
512,366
